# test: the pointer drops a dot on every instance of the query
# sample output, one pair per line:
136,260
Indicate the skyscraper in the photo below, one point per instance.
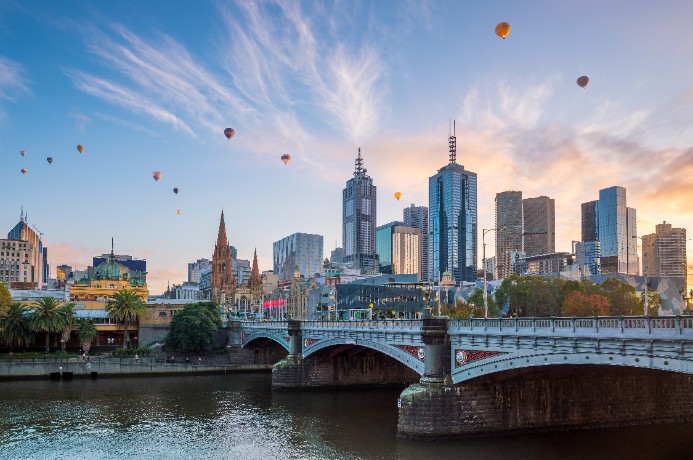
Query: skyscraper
664,252
589,221
452,203
358,220
508,230
406,251
539,216
33,266
417,217
301,252
617,232
383,245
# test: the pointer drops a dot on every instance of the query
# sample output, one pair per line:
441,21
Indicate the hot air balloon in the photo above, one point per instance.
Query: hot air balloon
178,211
503,29
24,171
286,158
49,160
398,195
175,190
583,81
80,148
23,152
229,133
156,175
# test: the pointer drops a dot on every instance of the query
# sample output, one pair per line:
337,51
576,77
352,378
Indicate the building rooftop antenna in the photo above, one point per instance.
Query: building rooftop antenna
452,141
360,170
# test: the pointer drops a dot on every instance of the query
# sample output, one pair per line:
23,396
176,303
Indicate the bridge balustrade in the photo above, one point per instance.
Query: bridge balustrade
372,324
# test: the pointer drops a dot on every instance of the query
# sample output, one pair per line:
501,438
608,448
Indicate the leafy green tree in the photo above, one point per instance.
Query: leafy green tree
194,327
622,297
46,317
125,306
86,332
15,326
654,302
68,313
462,310
477,299
5,299
577,303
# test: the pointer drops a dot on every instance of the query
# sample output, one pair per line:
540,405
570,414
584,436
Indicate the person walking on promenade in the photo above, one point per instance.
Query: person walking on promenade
137,358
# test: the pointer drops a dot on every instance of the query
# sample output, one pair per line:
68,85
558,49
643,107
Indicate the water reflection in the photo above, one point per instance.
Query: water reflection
239,417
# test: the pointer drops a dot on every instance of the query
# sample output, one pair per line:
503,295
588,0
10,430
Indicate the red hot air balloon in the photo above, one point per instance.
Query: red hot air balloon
80,148
49,160
157,175
286,158
583,81
229,133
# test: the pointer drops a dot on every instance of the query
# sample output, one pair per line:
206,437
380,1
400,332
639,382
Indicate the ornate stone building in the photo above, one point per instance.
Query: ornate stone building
248,298
223,282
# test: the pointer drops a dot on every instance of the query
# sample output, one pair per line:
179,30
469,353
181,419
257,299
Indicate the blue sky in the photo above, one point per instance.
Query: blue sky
148,86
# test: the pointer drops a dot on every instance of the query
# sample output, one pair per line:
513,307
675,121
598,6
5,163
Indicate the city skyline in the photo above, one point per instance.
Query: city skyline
143,92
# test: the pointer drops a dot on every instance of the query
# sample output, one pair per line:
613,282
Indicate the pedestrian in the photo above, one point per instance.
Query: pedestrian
137,358
199,360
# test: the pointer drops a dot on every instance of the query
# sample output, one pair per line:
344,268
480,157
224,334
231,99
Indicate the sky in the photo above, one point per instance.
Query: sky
151,86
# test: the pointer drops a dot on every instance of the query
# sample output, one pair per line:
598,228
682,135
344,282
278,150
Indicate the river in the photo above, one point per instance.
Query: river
238,416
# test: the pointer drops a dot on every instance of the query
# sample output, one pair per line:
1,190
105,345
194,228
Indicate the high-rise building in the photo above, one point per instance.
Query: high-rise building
223,282
383,245
33,265
617,232
406,251
588,257
539,233
589,221
452,207
196,268
241,272
508,230
664,252
417,217
16,268
358,220
337,255
299,252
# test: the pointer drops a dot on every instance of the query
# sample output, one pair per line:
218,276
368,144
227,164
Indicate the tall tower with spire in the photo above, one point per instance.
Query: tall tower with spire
452,224
358,220
255,282
223,283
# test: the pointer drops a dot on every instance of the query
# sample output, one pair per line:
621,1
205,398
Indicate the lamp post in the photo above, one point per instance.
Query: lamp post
647,303
483,268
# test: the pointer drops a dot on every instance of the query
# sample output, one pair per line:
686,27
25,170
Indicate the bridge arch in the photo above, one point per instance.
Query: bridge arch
278,338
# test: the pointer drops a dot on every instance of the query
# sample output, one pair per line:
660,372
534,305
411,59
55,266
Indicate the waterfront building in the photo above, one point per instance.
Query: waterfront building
508,231
385,296
664,252
29,270
195,269
539,232
614,225
588,257
223,282
359,205
300,252
417,217
452,206
383,245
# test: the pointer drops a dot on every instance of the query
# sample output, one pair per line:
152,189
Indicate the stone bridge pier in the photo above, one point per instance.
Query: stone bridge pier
342,365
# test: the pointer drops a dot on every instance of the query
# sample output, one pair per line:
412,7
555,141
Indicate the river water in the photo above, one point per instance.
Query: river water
238,416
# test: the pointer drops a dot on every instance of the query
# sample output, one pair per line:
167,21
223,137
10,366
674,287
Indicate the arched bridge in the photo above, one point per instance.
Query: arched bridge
469,348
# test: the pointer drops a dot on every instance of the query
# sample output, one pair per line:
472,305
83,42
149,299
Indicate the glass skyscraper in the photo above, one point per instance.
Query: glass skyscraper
300,252
358,220
452,221
508,231
383,245
417,217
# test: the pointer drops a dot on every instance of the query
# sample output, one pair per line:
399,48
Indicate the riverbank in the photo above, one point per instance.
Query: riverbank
100,367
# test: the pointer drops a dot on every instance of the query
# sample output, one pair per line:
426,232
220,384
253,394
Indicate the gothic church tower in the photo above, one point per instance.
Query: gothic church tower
223,283
255,282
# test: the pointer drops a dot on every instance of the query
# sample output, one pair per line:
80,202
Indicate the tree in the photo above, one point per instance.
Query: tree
46,317
125,306
86,333
622,297
5,299
15,326
194,327
477,298
654,302
577,303
68,313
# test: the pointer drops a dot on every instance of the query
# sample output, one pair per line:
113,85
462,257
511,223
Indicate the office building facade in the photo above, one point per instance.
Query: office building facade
417,217
539,232
509,224
299,252
664,252
383,245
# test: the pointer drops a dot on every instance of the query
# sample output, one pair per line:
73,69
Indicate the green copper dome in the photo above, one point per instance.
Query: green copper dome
109,270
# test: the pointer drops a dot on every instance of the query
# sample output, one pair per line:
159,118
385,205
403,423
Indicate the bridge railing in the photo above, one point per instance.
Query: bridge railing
400,324
264,325
607,325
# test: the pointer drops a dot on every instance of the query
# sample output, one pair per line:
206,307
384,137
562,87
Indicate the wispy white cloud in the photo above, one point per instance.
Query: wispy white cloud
128,124
13,79
81,120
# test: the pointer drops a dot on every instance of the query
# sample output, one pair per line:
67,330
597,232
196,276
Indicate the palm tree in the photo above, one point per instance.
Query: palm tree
15,326
86,333
125,306
68,313
47,317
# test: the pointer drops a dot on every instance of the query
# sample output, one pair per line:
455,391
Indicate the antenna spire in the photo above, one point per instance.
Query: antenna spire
452,141
360,170
112,253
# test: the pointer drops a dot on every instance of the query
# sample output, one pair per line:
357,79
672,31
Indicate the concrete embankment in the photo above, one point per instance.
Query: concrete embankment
113,367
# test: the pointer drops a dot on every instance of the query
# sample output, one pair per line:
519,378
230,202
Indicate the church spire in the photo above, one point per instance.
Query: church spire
223,282
255,274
